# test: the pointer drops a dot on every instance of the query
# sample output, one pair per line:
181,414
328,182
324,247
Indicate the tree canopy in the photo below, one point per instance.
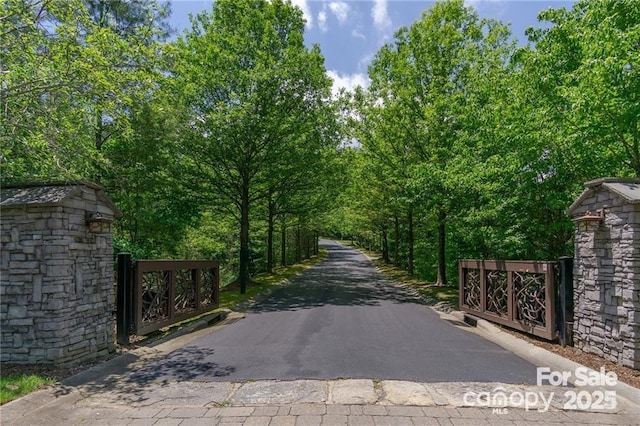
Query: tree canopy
486,144
464,145
256,96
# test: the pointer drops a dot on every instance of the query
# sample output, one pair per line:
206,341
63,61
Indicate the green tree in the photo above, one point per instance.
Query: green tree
569,116
130,67
145,180
296,182
428,73
70,73
42,69
585,65
253,89
382,128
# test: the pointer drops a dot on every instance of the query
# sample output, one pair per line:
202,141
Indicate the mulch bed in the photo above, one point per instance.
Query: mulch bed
50,371
625,374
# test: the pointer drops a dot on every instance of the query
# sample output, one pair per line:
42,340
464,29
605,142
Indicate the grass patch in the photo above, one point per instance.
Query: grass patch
442,294
434,293
15,386
263,282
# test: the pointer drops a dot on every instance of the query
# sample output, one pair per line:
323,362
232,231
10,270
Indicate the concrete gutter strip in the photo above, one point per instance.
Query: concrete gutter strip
539,356
79,390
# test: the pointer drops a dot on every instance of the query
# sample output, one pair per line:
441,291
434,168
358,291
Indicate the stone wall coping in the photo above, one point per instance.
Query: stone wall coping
46,194
598,182
626,188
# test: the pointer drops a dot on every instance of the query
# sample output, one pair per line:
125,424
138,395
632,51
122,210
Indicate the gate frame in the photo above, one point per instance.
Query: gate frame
129,293
510,266
142,266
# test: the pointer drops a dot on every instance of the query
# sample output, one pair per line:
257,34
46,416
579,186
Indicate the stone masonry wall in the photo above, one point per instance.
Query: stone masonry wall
607,281
57,282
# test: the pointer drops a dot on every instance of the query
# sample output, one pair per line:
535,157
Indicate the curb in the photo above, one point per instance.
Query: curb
539,356
69,389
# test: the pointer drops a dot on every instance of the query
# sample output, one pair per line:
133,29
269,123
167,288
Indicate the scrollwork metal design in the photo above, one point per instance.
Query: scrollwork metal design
208,286
497,289
472,288
185,291
529,291
155,296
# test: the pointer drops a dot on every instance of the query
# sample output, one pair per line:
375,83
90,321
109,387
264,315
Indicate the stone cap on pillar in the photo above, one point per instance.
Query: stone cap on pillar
627,188
50,194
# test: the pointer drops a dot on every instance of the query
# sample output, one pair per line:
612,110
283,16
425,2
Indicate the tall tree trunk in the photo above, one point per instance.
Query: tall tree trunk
396,240
385,246
244,239
99,129
410,241
283,241
442,261
270,230
307,240
298,244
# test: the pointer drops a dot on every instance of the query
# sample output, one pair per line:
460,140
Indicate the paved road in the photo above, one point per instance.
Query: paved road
338,320
341,319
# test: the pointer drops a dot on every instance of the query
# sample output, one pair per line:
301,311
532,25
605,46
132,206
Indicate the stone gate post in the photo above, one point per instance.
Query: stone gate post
607,270
57,274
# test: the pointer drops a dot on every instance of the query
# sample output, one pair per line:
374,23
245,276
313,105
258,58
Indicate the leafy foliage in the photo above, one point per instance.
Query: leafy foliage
227,143
256,97
465,130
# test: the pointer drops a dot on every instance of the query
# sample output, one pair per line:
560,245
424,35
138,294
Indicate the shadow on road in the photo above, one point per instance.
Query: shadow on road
123,383
345,278
183,364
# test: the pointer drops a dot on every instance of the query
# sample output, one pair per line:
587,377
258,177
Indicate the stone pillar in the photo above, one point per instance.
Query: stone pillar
607,270
57,290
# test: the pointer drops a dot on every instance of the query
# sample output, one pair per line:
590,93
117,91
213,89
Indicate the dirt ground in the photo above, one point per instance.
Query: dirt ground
55,372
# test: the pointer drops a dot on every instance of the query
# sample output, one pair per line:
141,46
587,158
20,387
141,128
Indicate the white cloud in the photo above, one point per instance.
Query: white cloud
488,6
357,34
322,21
302,4
347,81
381,19
341,10
365,60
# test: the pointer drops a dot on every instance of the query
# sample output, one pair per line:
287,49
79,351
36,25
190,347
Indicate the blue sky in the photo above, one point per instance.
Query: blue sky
350,32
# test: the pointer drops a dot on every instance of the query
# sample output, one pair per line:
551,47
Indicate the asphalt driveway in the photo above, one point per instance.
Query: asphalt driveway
341,319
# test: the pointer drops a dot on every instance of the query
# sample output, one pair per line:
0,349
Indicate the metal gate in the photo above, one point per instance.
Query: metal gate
156,293
517,294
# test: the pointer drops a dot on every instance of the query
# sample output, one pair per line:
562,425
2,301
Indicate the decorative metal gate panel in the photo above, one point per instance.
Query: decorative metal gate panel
170,291
152,294
517,294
